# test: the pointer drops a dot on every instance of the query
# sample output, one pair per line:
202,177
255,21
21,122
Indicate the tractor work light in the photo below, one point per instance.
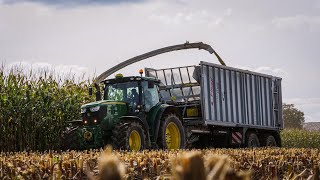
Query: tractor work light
95,121
94,109
85,122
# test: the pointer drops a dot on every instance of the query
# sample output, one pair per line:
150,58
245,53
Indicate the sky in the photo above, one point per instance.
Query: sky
280,38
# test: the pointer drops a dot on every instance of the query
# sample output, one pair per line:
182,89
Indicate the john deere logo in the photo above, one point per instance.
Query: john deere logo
87,135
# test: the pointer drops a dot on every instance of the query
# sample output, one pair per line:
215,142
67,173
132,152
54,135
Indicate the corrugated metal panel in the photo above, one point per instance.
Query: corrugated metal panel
233,96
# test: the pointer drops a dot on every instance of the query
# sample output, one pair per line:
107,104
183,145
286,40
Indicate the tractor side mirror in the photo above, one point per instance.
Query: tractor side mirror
90,91
150,84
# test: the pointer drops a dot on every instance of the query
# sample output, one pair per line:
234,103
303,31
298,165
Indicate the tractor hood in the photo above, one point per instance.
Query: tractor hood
102,103
104,113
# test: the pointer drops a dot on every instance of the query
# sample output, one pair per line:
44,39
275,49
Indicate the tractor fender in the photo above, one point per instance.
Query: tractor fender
143,122
164,109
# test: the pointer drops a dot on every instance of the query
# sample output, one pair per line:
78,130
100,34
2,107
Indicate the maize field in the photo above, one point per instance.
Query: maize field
263,163
35,108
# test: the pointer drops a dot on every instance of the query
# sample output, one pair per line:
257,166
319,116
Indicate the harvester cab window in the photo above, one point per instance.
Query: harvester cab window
151,96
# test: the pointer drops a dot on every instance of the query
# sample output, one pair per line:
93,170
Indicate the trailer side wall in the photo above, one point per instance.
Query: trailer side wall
235,97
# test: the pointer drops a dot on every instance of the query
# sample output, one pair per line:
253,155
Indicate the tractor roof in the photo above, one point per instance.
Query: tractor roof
130,78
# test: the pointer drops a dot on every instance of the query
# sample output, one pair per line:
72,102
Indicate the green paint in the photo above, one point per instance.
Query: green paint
101,131
102,103
153,117
95,140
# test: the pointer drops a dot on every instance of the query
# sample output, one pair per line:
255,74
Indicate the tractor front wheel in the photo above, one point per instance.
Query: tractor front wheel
70,140
128,135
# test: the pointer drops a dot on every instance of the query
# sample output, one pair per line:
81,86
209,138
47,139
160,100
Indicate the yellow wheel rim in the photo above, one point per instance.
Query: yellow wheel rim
135,141
173,138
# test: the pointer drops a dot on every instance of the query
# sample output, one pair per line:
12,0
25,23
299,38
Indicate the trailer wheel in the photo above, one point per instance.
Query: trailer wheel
252,140
171,133
128,135
270,141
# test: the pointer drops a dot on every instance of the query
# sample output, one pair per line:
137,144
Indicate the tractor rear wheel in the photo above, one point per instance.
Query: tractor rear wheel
128,135
171,133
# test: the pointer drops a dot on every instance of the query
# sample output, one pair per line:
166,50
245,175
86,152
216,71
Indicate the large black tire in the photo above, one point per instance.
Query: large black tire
252,140
121,133
269,141
70,140
171,119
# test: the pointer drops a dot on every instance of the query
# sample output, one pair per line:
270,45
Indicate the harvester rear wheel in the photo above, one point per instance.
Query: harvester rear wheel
128,135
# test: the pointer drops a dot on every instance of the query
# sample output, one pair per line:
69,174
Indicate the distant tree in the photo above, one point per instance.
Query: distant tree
292,117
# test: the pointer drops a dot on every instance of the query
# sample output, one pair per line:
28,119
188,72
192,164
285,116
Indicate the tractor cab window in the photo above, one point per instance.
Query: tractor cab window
151,96
127,92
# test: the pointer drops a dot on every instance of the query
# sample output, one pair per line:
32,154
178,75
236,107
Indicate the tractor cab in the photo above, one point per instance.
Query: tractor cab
139,93
118,97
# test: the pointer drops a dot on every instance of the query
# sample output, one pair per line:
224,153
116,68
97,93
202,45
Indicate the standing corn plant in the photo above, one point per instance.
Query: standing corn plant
34,108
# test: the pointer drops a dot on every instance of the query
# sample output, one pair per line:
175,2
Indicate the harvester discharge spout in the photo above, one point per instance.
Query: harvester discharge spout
187,45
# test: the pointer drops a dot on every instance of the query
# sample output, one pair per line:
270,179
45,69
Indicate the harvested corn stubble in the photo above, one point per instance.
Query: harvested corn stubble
260,163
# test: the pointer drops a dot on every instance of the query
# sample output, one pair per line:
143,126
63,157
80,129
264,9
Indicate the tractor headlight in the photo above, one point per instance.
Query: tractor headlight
94,109
83,110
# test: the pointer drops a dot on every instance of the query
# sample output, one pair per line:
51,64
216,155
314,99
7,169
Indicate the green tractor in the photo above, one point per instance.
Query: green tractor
130,117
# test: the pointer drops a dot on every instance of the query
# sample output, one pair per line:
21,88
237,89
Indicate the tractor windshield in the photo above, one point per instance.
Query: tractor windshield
126,91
